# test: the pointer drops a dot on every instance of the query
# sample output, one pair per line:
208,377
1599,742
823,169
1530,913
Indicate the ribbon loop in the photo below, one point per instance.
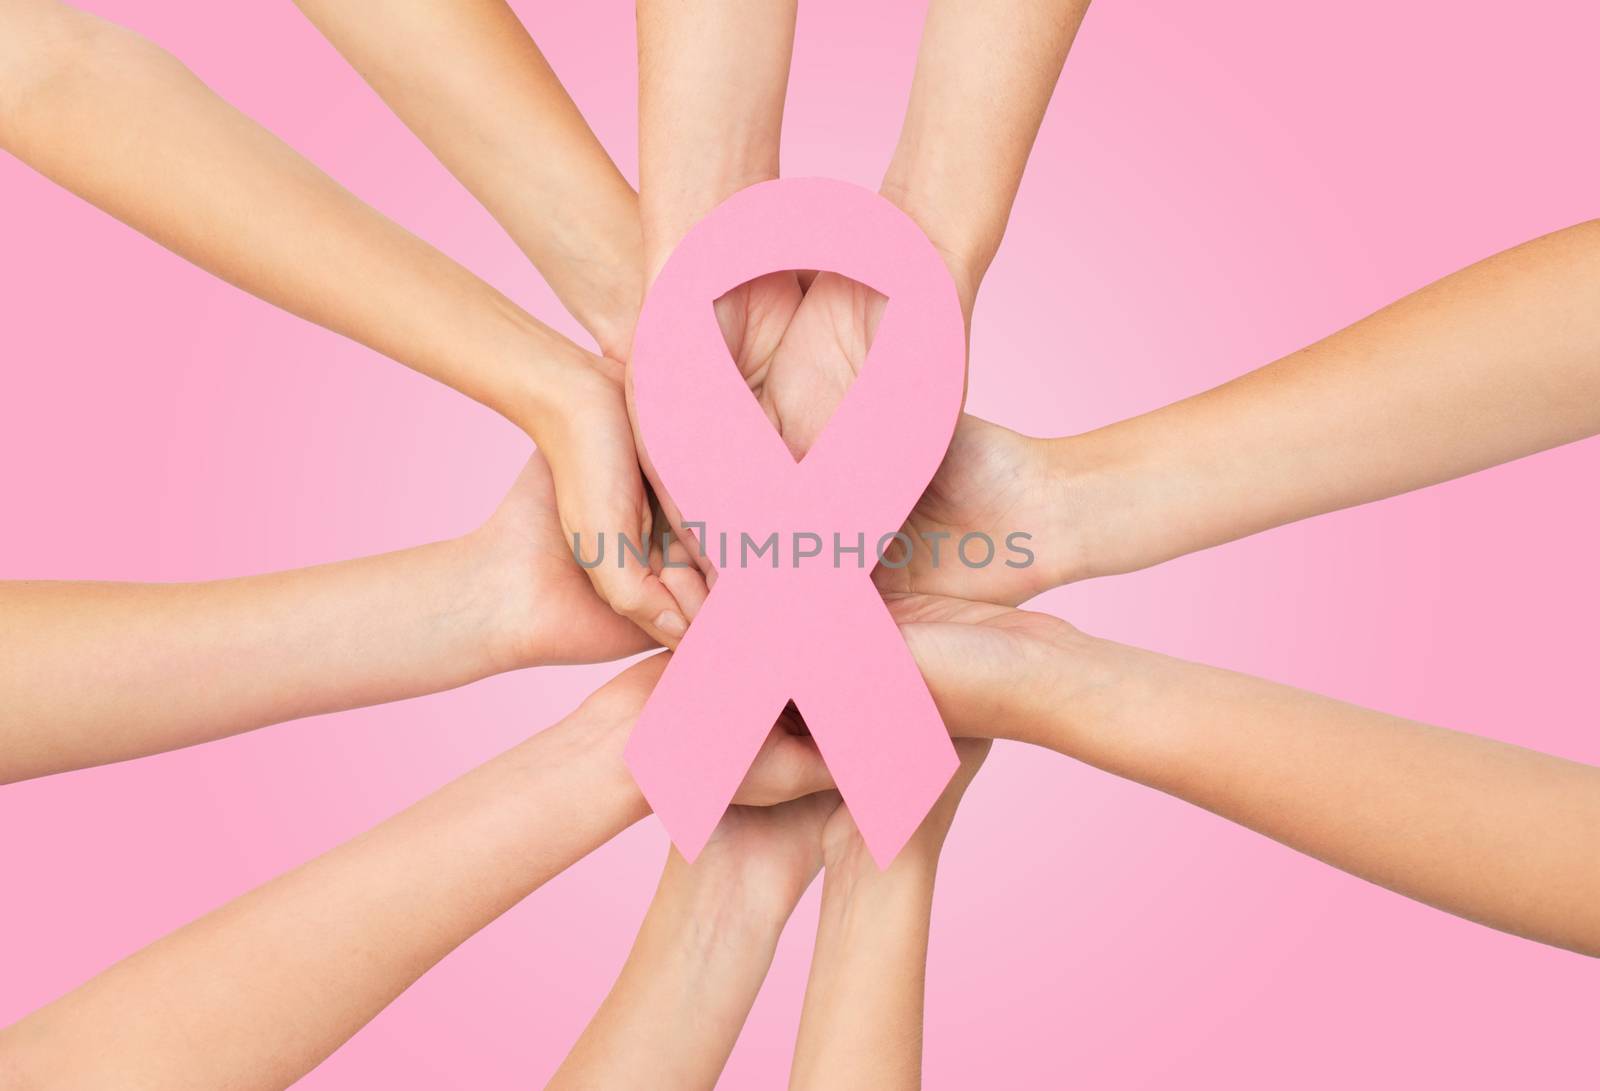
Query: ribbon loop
811,630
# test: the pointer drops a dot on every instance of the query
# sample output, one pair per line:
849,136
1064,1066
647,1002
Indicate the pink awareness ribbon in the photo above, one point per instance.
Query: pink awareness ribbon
796,626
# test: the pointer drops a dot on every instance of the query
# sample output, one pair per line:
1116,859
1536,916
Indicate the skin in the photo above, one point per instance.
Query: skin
1367,413
712,79
861,1026
1494,833
468,80
984,76
705,945
124,125
99,672
672,1017
713,76
1492,363
317,953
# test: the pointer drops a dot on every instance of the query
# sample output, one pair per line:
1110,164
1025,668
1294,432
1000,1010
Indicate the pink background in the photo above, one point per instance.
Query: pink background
1216,184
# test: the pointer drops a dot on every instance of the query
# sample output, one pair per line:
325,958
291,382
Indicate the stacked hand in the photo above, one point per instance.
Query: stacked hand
1492,364
587,439
712,929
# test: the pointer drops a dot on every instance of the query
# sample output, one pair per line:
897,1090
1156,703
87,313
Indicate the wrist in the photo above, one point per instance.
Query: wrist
469,592
966,256
861,904
851,870
751,886
587,746
602,248
1093,705
1091,507
538,366
852,874
669,208
611,320
725,905
607,309
495,573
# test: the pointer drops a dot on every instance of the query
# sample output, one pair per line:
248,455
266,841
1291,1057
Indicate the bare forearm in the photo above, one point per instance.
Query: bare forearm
862,1022
985,73
672,1017
1498,834
125,126
861,1025
713,75
99,672
313,955
471,83
1497,361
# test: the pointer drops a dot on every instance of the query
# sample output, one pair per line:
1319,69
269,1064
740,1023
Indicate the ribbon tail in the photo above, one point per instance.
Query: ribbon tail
705,722
894,768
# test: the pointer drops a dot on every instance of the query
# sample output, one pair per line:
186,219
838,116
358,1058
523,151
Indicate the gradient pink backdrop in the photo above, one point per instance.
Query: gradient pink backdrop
1215,185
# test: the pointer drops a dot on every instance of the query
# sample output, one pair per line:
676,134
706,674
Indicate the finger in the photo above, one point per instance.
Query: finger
639,595
972,753
909,608
623,697
672,560
666,515
622,577
685,581
893,572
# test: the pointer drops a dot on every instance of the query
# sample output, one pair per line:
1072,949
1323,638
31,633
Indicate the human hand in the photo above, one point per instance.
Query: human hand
861,1025
542,607
994,671
710,934
788,765
753,318
759,860
578,417
1012,492
819,348
1321,776
844,852
1020,494
798,344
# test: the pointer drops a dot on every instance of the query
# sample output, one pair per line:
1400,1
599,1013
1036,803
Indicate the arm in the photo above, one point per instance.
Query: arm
705,946
985,73
473,86
1494,362
257,993
862,1021
1495,833
712,79
125,126
99,672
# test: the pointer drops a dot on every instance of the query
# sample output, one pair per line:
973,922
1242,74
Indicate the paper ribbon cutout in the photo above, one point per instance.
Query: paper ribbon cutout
805,630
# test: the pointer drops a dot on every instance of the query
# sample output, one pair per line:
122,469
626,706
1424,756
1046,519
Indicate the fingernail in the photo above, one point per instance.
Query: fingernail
671,622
